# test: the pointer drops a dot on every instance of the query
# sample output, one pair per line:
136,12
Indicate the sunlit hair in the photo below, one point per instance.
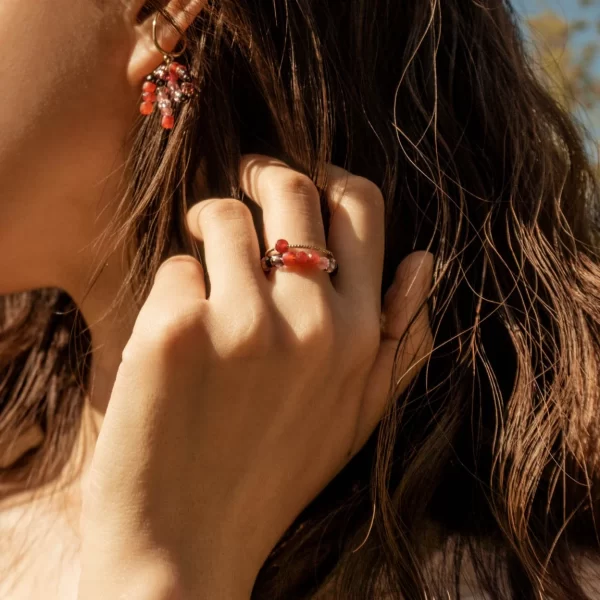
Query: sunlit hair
491,457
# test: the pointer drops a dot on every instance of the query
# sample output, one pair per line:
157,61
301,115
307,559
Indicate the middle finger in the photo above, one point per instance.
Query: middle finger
290,202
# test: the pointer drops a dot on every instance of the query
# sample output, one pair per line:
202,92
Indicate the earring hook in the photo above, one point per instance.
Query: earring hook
166,55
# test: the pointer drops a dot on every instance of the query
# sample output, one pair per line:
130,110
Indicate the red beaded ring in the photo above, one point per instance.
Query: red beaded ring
169,85
285,254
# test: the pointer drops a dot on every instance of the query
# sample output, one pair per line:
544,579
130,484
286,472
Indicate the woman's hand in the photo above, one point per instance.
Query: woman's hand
229,414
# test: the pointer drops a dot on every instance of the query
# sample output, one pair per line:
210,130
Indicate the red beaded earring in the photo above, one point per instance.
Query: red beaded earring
169,85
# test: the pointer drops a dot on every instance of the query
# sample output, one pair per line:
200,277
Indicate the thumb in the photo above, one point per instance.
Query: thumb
406,340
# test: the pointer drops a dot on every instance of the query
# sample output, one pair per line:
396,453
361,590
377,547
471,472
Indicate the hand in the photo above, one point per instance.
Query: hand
229,414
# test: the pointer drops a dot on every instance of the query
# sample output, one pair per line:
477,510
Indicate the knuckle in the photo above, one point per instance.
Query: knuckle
226,209
297,185
181,263
366,187
250,335
360,189
168,333
367,190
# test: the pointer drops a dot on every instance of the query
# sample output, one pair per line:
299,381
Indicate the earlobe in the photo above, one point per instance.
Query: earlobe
145,56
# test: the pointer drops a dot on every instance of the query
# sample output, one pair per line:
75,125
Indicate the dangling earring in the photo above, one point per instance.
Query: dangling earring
169,85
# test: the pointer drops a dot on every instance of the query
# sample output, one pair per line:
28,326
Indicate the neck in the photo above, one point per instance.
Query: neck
110,327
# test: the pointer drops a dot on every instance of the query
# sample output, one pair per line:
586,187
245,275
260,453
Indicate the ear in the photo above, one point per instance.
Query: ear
145,57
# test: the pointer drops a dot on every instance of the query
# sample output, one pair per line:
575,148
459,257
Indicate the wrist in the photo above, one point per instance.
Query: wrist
208,562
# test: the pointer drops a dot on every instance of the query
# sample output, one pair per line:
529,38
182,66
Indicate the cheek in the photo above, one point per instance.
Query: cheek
65,108
60,67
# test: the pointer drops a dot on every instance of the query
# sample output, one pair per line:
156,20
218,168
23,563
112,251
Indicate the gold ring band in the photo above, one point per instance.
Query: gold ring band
283,255
323,251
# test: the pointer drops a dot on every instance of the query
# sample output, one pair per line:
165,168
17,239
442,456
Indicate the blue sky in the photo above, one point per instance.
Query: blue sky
570,10
567,7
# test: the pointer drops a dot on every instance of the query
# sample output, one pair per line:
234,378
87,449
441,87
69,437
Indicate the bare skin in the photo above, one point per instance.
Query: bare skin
329,327
291,427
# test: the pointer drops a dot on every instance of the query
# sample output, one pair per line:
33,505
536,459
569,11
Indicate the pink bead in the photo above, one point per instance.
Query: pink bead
301,257
149,86
166,110
146,108
332,265
168,121
281,246
323,263
313,257
161,72
172,85
289,259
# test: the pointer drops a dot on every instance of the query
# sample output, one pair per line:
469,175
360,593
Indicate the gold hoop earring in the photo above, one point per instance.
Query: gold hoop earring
167,55
169,85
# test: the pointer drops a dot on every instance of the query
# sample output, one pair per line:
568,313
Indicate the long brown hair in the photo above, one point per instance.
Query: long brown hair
491,457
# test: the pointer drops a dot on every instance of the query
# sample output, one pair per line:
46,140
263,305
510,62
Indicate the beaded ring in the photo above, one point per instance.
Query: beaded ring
285,254
169,85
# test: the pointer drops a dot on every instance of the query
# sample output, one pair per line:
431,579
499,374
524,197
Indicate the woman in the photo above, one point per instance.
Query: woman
218,428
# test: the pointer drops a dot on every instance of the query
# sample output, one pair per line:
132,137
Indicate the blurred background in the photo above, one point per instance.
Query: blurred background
564,36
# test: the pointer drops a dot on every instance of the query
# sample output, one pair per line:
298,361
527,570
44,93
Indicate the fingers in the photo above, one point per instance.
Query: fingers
290,201
292,210
356,233
399,361
232,254
178,289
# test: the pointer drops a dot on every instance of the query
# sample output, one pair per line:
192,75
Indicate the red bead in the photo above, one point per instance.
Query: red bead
173,77
149,87
289,259
146,108
313,257
282,246
149,97
168,121
301,257
173,67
